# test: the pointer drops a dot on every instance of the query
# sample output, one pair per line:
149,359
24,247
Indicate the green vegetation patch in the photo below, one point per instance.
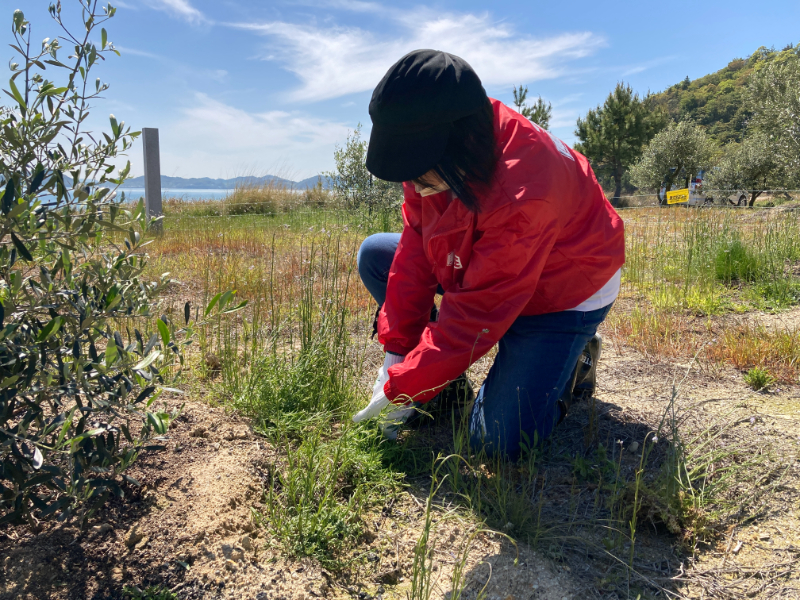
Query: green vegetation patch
717,101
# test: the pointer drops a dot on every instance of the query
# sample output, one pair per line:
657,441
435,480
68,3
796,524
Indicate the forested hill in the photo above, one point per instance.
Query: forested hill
716,101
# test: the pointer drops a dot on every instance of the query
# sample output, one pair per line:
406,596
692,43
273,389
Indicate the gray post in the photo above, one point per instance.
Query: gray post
152,176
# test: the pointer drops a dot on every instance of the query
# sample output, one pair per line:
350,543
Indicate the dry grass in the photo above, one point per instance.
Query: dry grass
713,341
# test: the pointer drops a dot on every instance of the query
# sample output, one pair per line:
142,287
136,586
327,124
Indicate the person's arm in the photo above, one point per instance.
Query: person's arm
500,280
412,284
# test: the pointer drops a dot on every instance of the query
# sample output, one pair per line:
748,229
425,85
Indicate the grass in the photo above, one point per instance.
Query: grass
669,334
712,261
297,361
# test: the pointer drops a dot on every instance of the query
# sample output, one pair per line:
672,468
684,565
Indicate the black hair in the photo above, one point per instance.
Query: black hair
470,159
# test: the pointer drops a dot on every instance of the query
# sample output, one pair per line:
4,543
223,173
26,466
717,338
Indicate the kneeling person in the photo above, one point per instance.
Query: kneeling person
511,226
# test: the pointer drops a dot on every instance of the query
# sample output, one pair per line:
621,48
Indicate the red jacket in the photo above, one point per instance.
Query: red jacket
545,240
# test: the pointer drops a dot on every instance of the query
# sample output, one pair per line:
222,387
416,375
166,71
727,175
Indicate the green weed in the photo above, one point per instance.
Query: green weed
736,262
316,496
759,379
150,593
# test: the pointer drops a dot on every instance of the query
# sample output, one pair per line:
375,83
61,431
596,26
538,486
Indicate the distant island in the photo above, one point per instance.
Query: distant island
206,183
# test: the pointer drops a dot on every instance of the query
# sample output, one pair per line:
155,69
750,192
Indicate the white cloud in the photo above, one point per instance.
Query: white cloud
135,52
639,68
213,139
180,8
335,61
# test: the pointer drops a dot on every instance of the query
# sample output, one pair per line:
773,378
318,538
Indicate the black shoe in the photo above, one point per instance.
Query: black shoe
582,384
586,376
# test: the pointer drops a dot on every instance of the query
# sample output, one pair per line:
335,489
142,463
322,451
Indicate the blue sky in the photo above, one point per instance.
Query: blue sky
254,87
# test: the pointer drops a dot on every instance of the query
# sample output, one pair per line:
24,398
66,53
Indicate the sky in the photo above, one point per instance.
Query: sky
253,87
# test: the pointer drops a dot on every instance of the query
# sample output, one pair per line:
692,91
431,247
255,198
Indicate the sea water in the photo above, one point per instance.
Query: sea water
185,195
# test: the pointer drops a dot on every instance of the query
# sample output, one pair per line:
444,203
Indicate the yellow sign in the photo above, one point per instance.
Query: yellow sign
678,196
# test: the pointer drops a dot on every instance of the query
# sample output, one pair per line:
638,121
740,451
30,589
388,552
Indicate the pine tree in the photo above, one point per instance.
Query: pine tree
539,113
612,135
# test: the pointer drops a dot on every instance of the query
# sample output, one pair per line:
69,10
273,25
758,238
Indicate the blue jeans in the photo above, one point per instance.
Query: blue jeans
536,357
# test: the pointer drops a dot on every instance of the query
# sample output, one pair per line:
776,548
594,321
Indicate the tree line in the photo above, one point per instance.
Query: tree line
740,126
639,142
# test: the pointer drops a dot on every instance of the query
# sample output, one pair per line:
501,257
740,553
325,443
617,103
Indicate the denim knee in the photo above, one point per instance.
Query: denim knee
374,259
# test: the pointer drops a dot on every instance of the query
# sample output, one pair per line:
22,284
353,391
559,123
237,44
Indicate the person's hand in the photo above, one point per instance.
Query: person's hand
379,401
383,372
376,404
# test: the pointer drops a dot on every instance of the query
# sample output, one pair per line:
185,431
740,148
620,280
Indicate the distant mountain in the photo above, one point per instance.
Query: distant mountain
206,183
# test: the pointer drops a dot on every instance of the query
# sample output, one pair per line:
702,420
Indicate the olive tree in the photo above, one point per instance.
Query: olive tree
753,165
673,156
353,185
83,353
774,100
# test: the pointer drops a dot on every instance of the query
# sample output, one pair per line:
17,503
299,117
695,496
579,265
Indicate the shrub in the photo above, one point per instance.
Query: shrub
253,196
353,185
79,370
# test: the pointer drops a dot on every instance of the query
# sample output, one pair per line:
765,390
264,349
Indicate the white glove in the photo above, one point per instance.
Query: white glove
376,404
383,372
379,401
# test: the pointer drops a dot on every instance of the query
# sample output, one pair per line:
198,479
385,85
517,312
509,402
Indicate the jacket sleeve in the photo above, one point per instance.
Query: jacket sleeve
412,284
498,283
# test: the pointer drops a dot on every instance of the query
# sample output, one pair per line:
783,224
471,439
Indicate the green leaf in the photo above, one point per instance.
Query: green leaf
164,331
233,309
103,39
17,96
144,394
9,381
65,428
226,298
8,197
23,251
37,179
159,424
131,480
111,353
212,304
16,210
146,362
49,329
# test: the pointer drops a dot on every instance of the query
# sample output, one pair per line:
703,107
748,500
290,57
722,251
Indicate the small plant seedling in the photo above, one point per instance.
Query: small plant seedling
759,379
150,593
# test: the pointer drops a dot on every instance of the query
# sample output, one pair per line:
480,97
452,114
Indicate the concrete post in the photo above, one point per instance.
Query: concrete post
152,176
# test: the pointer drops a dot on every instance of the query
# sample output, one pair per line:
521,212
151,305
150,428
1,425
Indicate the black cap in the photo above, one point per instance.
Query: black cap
413,110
